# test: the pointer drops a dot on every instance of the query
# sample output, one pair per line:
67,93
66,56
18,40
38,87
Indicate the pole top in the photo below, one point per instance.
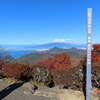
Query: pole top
89,9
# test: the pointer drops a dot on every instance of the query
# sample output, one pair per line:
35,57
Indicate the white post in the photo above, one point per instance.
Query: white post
88,67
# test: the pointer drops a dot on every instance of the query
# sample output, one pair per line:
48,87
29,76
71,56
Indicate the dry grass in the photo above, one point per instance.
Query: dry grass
74,95
12,80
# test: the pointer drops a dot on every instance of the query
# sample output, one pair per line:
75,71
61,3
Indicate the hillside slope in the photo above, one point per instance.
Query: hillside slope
33,57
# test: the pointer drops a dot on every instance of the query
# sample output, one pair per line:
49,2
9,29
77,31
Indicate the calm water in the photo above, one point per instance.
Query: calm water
18,53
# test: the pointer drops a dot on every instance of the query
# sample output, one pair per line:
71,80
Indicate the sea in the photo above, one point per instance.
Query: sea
19,53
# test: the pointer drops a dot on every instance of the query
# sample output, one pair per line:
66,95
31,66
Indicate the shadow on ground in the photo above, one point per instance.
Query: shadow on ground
9,89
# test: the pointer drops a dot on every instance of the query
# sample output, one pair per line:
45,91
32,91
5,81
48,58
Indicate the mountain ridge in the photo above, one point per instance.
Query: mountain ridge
61,50
59,45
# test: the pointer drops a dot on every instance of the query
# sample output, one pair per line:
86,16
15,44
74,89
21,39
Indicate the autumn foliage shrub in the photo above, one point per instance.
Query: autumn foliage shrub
95,61
96,48
15,70
95,57
70,78
59,62
62,61
75,77
48,63
1,69
26,72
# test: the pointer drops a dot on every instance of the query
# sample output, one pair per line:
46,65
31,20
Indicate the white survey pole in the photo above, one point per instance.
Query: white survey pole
88,66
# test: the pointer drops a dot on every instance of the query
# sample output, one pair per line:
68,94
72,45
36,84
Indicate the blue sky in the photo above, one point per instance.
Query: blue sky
43,21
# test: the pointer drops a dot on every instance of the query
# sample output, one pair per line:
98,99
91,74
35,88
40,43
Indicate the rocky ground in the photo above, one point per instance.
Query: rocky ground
17,91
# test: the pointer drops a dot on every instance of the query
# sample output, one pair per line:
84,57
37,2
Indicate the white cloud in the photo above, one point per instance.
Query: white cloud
62,40
41,49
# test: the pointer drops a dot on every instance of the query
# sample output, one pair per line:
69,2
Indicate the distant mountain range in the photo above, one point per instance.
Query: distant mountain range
44,46
58,44
60,50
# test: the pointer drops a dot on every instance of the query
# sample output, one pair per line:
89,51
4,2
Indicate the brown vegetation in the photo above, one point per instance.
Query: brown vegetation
14,70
